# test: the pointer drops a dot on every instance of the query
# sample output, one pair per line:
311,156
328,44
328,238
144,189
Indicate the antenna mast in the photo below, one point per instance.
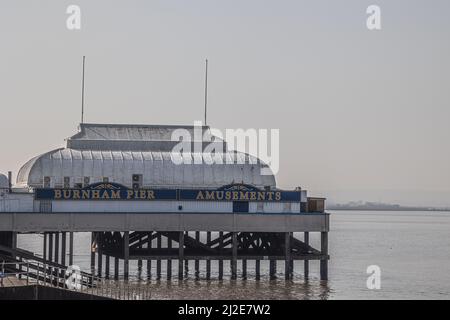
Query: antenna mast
82,93
206,91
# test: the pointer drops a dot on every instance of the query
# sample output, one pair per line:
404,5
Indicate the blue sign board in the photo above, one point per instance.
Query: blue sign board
114,191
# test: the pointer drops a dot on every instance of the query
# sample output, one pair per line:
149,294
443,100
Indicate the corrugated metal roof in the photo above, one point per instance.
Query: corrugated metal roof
139,137
158,169
119,151
4,182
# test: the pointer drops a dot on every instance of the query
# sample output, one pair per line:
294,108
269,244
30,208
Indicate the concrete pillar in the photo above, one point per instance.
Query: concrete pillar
50,247
158,262
324,251
197,262
149,261
44,249
126,255
208,261
56,247
273,269
306,262
116,268
258,269
107,258
287,253
180,255
186,261
71,248
234,256
93,253
221,254
63,248
99,262
169,261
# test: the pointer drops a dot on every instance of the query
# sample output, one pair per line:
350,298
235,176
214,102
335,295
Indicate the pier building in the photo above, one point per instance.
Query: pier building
142,201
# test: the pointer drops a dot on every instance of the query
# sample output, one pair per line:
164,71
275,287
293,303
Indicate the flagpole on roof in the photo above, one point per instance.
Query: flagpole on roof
82,92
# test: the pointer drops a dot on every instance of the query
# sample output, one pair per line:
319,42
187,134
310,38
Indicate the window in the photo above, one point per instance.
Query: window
78,185
86,181
105,179
260,207
240,206
47,182
137,181
66,182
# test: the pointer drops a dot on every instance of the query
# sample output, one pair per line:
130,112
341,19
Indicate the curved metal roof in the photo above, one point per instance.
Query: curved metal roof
4,182
158,168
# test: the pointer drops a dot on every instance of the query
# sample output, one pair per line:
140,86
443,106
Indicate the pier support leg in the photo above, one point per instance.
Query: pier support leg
180,255
116,268
57,247
44,249
93,253
287,261
221,253
149,261
70,248
107,258
158,262
208,262
197,262
140,266
50,252
50,247
306,262
99,262
126,255
273,269
258,269
324,251
169,261
244,269
186,262
234,256
63,248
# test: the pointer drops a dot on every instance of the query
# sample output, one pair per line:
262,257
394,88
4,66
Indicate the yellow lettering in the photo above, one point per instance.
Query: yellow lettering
270,194
130,194
85,194
228,195
142,194
151,195
200,196
67,194
243,195
261,196
105,195
219,195
235,195
115,194
76,194
57,194
253,195
278,196
209,195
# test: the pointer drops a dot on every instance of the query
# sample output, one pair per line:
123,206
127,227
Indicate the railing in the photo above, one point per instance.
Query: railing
38,273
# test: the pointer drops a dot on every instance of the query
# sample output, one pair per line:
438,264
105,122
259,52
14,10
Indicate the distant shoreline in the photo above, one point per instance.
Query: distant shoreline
387,209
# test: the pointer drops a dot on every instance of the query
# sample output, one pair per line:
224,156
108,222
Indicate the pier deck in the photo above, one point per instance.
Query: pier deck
181,237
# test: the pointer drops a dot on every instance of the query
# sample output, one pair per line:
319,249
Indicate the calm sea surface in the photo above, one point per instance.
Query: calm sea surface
411,248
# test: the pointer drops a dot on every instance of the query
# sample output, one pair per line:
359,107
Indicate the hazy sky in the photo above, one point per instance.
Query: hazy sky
362,114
